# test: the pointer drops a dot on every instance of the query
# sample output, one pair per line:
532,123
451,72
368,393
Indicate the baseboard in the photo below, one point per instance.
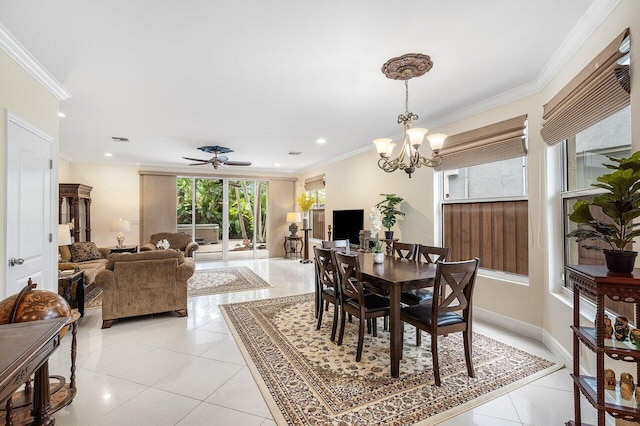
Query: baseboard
511,324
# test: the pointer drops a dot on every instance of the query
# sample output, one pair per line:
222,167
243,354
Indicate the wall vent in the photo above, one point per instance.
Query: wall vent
118,139
295,152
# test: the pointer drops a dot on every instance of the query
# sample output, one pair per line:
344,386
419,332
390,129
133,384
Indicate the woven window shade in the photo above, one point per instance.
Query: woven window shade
313,183
496,142
601,89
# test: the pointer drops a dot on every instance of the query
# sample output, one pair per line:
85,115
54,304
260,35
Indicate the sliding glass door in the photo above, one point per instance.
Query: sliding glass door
227,216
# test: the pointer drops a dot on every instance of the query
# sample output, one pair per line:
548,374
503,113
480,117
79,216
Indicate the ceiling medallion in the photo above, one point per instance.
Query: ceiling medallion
407,66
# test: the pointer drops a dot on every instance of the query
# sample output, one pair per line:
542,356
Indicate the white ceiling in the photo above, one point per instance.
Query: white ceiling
265,77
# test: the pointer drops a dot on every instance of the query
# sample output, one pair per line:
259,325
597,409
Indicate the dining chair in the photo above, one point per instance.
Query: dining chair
449,314
427,254
335,244
327,288
404,250
354,299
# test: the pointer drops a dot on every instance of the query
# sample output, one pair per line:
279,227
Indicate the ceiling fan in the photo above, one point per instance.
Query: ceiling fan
217,159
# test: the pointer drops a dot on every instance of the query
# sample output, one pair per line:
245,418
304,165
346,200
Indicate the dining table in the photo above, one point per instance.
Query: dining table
395,276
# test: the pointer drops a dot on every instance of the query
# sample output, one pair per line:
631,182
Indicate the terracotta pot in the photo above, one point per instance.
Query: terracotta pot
620,261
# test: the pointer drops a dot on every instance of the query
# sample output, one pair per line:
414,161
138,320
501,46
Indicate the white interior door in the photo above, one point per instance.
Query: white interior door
29,235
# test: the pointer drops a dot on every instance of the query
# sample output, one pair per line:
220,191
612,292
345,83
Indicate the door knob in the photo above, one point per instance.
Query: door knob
13,261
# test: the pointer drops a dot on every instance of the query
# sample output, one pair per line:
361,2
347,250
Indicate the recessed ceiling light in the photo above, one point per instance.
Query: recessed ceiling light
276,165
108,154
321,141
61,114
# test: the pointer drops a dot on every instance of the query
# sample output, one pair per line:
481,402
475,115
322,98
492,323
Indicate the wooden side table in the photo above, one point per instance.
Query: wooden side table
293,246
124,249
67,281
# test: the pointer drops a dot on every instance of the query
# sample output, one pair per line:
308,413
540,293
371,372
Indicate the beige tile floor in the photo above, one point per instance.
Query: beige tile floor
165,370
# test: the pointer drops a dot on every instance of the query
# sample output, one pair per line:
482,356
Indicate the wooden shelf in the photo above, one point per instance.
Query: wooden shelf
597,282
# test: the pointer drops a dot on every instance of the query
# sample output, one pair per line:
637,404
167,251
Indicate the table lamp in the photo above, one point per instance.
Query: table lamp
120,226
293,218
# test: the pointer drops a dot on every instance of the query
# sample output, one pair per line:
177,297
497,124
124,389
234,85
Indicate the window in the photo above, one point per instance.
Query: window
317,214
584,156
485,215
484,196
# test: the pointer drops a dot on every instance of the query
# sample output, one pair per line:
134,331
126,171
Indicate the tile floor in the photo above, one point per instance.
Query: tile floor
165,370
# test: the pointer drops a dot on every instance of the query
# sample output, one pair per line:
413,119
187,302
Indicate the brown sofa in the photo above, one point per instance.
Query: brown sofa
177,240
144,283
90,267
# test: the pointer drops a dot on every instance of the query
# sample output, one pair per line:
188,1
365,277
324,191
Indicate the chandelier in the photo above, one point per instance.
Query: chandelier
409,158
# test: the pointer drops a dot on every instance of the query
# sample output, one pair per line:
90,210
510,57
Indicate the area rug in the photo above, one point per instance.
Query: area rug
202,283
307,379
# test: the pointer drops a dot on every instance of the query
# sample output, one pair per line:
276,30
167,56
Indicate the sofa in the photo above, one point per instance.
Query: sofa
144,283
86,256
177,240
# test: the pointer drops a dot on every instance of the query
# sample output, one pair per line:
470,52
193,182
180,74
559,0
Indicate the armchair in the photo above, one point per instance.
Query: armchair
144,283
177,240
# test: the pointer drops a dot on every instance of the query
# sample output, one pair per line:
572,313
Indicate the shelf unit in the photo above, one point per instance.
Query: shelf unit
74,205
597,282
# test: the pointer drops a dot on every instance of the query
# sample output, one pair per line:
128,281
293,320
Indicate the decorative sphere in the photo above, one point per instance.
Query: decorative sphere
34,305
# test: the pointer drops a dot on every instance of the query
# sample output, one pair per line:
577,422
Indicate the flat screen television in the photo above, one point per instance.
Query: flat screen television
347,224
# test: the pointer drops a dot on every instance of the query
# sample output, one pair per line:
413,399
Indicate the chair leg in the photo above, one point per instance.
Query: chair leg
360,340
335,323
326,306
418,337
468,352
385,326
341,333
369,326
434,357
374,324
319,317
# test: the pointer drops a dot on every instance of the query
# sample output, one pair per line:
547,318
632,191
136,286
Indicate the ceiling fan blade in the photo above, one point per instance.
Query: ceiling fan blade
237,163
196,159
199,164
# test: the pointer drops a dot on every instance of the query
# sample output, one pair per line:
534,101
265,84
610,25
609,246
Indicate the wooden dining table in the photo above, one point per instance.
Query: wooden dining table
396,275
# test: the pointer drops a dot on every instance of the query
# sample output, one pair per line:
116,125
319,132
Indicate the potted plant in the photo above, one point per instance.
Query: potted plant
389,212
621,203
306,202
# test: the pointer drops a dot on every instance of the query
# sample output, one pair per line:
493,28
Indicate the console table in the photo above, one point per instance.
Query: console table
293,246
26,348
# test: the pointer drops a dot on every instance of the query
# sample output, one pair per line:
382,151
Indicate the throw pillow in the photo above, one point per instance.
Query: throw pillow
81,252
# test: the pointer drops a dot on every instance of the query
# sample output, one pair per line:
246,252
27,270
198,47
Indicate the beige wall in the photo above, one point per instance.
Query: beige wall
115,194
280,201
24,97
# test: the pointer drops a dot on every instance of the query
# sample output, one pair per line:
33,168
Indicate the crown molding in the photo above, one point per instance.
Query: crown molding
588,23
19,53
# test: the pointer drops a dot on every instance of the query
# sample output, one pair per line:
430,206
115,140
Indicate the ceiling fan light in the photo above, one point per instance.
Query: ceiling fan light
436,141
416,136
382,146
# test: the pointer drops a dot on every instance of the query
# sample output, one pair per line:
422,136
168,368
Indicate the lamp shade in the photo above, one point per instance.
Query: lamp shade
64,235
294,217
120,226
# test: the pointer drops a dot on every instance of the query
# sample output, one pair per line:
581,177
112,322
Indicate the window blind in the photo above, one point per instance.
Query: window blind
314,183
495,142
601,89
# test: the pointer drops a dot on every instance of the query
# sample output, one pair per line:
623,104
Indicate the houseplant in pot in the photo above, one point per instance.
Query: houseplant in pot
620,203
389,212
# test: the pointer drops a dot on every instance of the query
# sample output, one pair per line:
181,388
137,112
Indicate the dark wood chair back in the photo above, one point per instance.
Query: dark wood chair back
335,244
455,282
325,270
430,254
349,276
404,250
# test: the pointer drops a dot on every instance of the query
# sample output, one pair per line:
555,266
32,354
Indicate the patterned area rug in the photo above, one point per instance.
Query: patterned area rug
202,283
307,379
